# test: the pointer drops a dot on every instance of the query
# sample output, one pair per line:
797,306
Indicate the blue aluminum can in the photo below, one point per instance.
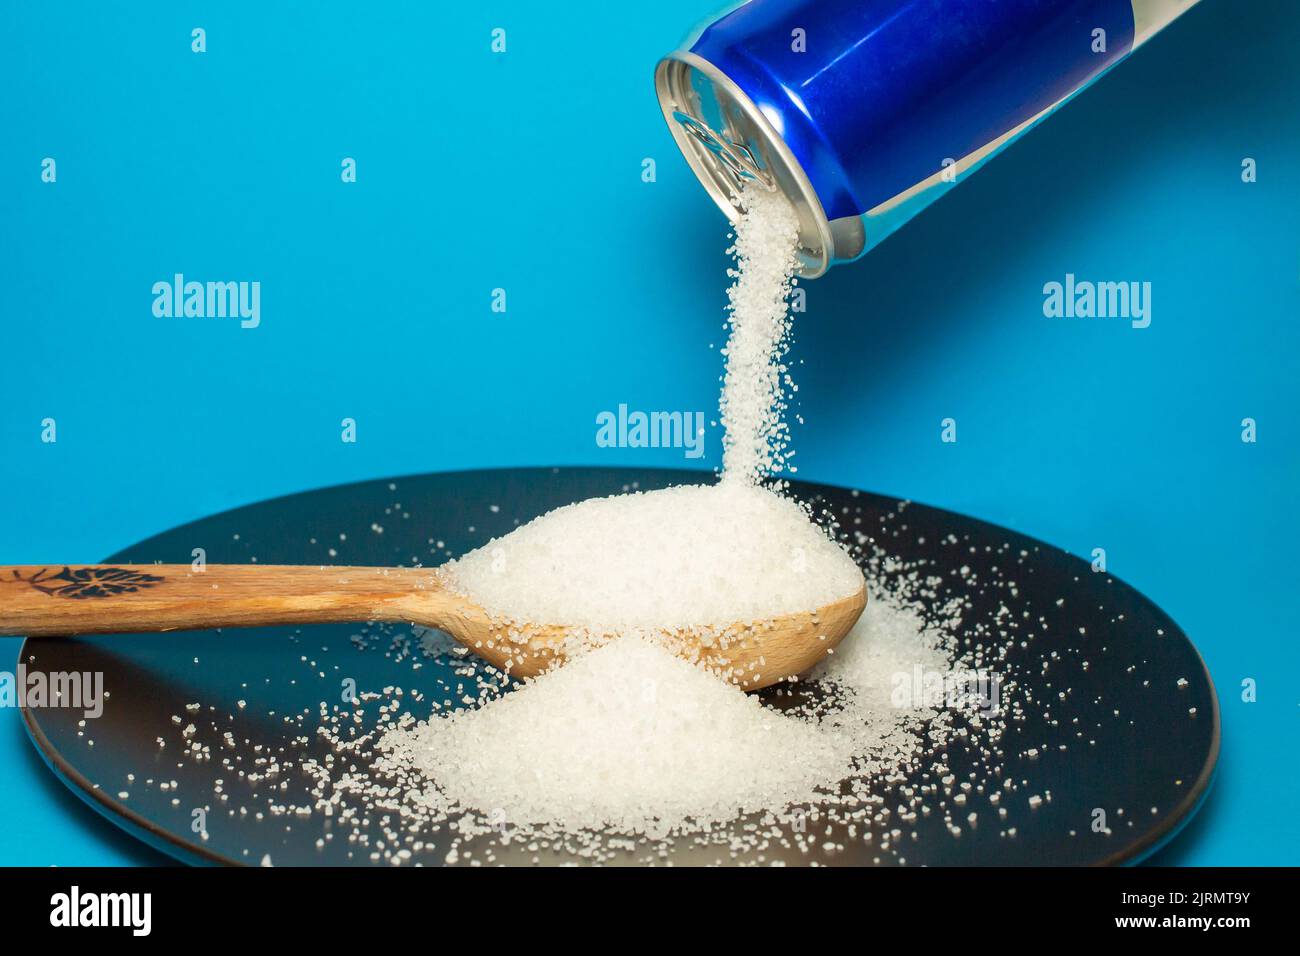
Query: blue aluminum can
863,112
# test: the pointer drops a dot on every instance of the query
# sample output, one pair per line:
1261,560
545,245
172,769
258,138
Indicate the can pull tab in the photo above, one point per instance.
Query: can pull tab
735,158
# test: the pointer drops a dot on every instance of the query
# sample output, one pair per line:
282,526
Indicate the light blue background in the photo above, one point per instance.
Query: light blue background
523,171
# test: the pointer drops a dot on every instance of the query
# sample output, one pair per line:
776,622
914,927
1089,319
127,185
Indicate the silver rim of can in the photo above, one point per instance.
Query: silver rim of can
731,145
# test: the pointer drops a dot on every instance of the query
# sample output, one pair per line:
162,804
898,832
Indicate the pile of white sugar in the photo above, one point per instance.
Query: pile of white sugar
626,741
627,753
692,555
628,737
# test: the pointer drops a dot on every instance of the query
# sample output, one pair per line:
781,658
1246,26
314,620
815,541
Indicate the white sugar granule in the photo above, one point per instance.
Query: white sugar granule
755,433
691,555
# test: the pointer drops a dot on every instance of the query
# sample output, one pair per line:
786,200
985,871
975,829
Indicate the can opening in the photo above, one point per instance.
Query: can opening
735,157
731,145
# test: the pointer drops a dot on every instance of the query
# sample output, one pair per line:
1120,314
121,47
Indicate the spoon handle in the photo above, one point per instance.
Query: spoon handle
50,600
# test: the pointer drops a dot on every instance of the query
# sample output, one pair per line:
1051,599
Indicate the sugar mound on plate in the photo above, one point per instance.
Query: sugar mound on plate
627,747
626,736
691,555
630,740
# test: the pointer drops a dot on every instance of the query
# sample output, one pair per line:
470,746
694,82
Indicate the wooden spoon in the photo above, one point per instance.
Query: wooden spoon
54,600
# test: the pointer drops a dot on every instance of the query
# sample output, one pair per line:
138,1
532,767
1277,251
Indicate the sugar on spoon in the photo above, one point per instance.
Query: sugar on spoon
59,600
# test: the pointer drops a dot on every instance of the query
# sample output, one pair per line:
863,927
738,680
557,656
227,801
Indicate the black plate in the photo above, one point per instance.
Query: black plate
1135,734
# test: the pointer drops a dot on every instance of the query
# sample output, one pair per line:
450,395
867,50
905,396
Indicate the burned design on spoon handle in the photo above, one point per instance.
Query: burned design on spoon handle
98,582
56,600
